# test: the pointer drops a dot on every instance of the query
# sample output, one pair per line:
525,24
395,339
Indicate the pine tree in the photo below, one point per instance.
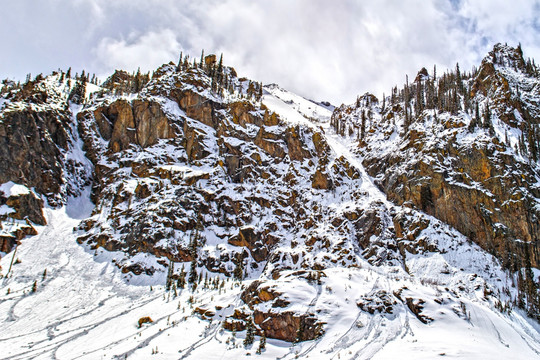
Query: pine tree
476,118
201,63
193,252
137,81
220,70
521,287
530,287
487,120
363,125
238,272
193,272
179,66
419,101
181,282
77,94
262,344
407,114
467,99
34,287
486,117
250,332
533,151
170,272
459,81
455,106
440,96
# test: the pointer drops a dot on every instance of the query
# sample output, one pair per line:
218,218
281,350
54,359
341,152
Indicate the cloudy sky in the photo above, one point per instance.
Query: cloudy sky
323,50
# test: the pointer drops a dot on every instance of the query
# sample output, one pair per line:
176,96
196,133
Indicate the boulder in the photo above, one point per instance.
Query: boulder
321,180
27,206
288,326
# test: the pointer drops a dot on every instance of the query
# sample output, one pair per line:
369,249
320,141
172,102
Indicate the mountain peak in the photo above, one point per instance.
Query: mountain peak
507,56
422,75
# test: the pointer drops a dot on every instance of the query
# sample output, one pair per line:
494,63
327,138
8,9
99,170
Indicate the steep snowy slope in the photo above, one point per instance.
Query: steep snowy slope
295,108
83,307
251,190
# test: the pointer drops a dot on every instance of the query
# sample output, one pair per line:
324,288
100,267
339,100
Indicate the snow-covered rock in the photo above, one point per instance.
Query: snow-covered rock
220,210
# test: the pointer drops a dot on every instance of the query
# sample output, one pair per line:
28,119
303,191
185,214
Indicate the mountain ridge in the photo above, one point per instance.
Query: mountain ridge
197,168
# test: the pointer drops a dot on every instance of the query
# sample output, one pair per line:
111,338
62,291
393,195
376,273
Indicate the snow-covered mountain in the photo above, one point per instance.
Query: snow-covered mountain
196,214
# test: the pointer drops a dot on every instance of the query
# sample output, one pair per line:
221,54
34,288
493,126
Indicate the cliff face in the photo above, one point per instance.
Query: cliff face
197,167
462,148
39,155
231,169
484,194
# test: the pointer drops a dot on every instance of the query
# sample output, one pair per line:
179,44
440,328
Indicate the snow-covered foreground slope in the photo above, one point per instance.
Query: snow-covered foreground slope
84,307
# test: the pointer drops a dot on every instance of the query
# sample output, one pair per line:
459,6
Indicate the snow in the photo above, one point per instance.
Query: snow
91,89
88,309
341,149
80,207
85,307
3,101
12,189
293,108
4,210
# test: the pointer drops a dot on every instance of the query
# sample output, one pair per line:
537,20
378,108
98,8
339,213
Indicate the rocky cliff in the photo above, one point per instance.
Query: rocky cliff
39,154
463,148
197,168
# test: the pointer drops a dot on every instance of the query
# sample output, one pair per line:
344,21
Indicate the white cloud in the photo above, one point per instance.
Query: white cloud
504,21
320,49
333,51
146,51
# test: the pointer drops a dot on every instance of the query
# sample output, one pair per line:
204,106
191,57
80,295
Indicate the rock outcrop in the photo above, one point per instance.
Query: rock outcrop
463,149
192,166
38,152
31,144
274,323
